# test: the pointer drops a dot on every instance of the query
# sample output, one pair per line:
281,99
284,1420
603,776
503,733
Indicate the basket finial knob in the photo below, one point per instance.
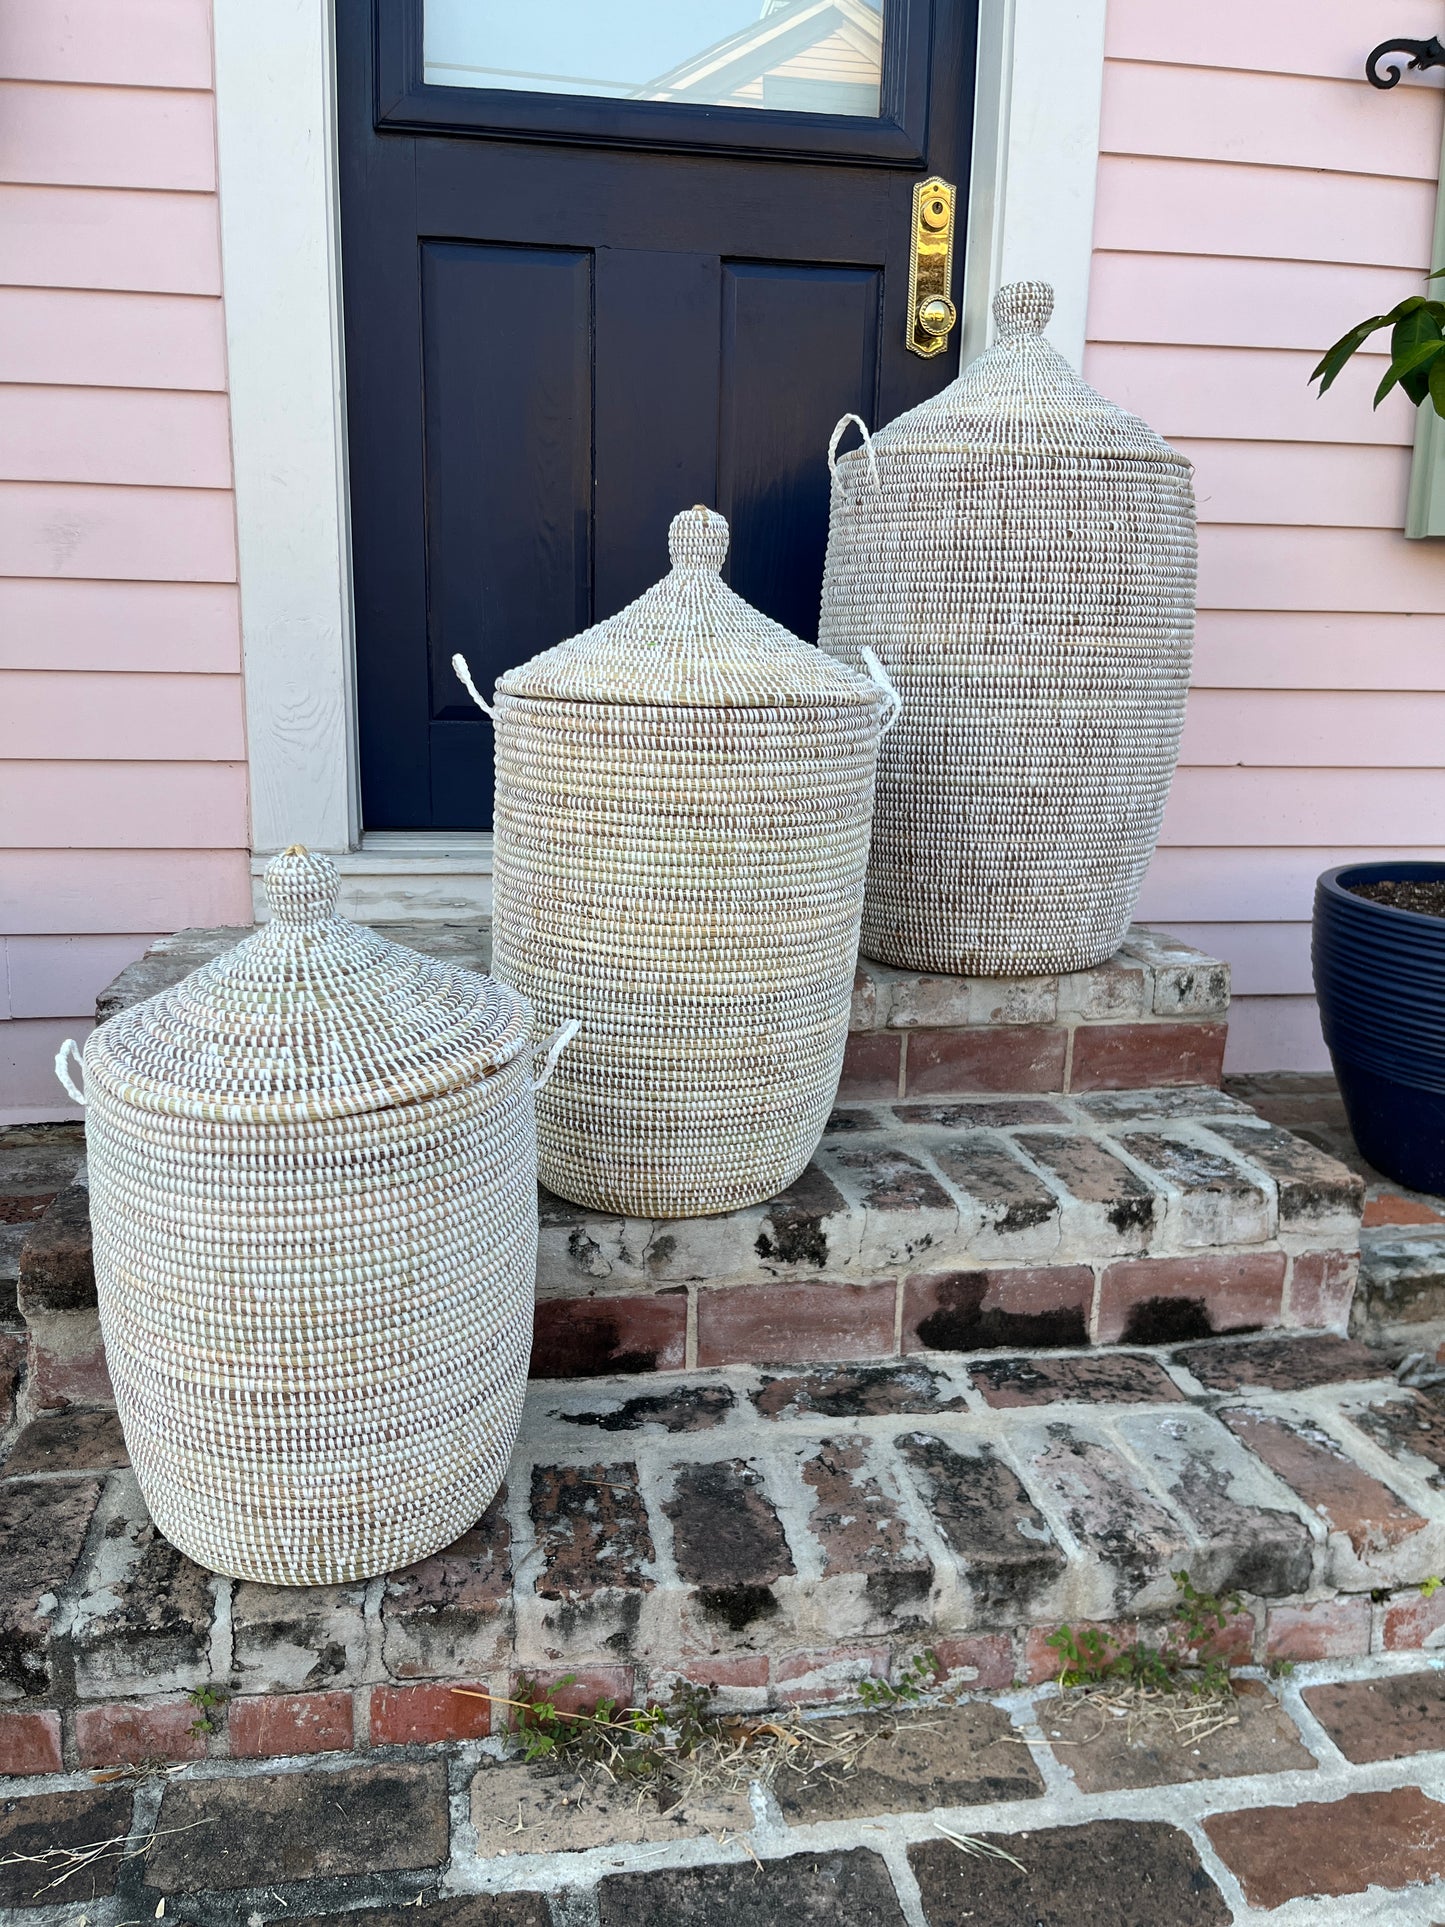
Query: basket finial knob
1022,308
698,539
302,886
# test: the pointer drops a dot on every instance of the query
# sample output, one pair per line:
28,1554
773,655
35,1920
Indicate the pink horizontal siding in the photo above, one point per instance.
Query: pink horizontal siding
1293,649
123,803
1303,807
106,137
126,718
1258,394
191,627
1216,302
1315,729
150,437
1301,483
1325,37
1268,119
78,337
117,534
1256,198
56,976
116,43
92,892
93,237
1276,1033
1326,569
122,806
1277,213
1250,883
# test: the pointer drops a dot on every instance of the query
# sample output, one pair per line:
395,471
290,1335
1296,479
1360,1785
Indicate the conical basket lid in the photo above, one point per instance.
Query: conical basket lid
690,642
1021,395
312,1017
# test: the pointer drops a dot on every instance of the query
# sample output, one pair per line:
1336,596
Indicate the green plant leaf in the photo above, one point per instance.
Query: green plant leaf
1410,370
1335,358
1414,343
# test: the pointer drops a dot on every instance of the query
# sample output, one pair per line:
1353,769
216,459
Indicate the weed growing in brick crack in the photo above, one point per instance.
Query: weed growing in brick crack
918,1681
631,1741
210,1701
667,1753
1183,1664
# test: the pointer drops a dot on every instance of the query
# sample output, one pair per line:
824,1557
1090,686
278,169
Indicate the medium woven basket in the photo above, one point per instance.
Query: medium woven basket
312,1176
1021,555
683,803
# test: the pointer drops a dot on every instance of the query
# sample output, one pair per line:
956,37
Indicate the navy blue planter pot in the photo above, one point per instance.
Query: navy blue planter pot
1380,979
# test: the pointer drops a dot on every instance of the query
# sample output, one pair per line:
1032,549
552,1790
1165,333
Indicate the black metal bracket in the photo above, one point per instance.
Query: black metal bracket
1423,53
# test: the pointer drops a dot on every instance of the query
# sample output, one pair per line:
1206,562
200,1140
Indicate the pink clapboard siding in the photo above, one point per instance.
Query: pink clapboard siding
1255,198
123,809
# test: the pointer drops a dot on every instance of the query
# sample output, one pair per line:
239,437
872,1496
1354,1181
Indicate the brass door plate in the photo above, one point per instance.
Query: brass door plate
931,313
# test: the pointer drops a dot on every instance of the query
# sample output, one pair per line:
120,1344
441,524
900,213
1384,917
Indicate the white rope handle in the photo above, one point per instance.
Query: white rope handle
464,677
69,1049
867,445
893,702
556,1044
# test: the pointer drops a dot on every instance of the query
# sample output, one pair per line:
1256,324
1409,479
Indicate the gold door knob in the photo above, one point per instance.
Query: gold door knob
931,313
936,316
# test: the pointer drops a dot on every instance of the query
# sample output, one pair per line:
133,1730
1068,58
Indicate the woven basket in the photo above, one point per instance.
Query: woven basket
683,804
312,1178
1021,554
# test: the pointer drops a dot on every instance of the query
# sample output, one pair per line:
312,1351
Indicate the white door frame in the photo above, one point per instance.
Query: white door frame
1031,213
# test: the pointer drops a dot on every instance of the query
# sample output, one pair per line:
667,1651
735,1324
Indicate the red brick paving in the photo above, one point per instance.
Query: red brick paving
794,1324
29,1743
1334,1847
1131,1057
403,1715
1151,1300
272,1725
136,1731
1323,1629
1382,1719
1011,1057
1348,1498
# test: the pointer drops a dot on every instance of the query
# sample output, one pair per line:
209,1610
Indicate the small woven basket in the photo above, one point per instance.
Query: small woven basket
1021,555
683,803
312,1177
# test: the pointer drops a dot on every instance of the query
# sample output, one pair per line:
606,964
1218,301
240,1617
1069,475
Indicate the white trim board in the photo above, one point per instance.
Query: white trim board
281,261
1031,213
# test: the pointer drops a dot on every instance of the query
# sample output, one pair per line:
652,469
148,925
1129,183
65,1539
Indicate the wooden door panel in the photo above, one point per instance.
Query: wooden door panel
656,348
507,405
799,349
574,197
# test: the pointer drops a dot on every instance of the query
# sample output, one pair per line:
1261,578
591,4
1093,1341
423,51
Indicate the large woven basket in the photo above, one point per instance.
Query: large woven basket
1021,554
683,803
312,1176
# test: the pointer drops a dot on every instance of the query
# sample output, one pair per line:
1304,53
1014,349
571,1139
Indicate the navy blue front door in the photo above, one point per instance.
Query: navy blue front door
569,315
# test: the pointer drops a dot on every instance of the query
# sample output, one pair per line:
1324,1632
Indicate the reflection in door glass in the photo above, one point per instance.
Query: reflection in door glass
790,56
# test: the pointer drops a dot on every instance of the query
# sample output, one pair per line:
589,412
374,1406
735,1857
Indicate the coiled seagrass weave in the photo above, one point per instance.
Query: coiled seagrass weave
1021,555
683,802
312,1177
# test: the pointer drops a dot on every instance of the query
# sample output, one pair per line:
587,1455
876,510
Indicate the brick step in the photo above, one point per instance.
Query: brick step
1112,1217
781,1534
1131,1217
1156,1013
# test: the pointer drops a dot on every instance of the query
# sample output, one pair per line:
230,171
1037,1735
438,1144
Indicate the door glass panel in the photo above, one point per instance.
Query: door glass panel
784,56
